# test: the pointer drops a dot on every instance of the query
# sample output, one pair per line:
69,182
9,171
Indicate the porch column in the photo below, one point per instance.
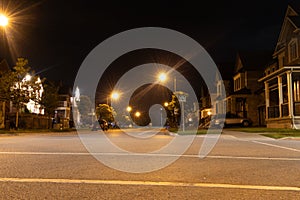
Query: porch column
290,93
267,97
280,94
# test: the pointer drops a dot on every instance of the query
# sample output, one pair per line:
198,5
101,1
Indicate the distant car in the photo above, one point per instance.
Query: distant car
230,120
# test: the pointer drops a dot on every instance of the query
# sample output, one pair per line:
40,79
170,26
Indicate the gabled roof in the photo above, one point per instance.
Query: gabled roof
252,61
295,5
292,16
295,20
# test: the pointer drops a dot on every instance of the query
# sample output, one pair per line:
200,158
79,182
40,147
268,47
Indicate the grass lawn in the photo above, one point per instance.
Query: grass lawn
270,132
192,132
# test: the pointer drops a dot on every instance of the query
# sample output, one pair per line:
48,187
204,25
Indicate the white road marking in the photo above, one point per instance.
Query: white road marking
149,154
150,183
277,146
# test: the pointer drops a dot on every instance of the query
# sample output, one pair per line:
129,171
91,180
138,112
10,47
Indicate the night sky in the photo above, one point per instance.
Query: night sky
57,35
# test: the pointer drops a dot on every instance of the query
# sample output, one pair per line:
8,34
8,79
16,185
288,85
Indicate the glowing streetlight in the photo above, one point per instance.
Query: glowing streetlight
162,77
112,96
115,95
128,109
3,20
137,114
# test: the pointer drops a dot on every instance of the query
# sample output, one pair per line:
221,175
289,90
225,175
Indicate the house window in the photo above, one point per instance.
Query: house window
237,82
293,50
281,61
296,90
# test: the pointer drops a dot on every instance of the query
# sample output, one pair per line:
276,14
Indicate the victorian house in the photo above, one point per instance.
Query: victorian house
242,98
282,76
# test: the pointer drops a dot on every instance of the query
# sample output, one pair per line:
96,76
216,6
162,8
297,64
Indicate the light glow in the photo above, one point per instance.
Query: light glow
3,20
115,95
162,77
128,108
137,114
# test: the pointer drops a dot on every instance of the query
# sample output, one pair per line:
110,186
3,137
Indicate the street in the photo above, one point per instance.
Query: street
58,166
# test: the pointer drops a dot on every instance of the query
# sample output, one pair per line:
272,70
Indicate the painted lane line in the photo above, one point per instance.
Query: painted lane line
150,183
277,146
148,154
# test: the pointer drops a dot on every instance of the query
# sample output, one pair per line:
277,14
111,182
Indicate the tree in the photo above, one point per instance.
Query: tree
20,85
50,98
173,112
106,112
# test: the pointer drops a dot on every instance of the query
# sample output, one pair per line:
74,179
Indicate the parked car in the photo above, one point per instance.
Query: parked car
230,120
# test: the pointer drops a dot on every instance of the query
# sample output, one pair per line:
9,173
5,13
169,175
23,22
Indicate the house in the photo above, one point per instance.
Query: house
281,77
63,111
225,79
241,96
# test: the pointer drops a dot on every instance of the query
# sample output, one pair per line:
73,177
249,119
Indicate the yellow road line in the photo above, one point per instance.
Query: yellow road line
150,154
150,183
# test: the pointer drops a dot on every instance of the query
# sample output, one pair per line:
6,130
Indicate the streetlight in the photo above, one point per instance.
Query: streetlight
137,114
3,24
162,77
113,96
129,109
3,20
181,96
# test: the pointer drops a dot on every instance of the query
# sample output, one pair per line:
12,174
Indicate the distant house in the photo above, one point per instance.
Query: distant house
63,110
241,88
226,71
282,76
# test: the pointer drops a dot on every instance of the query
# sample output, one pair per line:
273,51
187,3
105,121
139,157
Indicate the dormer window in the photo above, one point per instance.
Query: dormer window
293,50
237,82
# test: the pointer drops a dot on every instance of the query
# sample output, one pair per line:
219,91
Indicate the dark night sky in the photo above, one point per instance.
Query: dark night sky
57,35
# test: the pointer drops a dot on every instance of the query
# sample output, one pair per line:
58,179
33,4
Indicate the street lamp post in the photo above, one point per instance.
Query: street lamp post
181,96
161,117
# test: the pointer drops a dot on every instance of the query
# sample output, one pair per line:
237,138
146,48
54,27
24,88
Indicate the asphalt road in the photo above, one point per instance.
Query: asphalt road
58,166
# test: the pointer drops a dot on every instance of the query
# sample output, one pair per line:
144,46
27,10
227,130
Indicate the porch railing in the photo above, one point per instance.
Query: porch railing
273,111
285,110
297,108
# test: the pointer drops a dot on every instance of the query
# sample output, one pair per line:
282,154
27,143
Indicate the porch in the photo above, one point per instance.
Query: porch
282,98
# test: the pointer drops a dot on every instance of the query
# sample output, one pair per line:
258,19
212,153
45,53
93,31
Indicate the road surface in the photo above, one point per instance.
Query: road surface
58,166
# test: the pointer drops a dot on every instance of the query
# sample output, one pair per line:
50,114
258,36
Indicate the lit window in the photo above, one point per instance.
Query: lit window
237,83
293,50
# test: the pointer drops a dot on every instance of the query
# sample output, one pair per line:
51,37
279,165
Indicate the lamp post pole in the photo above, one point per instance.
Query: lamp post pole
175,82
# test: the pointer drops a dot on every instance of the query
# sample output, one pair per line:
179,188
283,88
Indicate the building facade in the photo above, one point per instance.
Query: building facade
241,98
281,77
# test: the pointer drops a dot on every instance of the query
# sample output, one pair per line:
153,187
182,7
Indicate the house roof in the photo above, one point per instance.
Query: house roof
295,4
253,61
295,20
